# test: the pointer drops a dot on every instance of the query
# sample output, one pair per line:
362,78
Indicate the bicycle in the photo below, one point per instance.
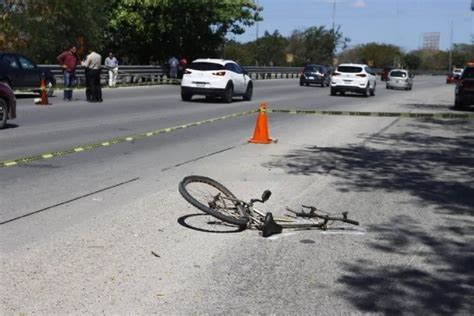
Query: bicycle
213,198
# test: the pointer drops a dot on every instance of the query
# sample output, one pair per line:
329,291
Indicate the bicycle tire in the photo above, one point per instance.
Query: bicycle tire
236,217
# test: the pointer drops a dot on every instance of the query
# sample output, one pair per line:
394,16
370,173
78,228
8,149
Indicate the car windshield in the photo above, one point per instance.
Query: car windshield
468,73
203,66
401,74
350,69
312,69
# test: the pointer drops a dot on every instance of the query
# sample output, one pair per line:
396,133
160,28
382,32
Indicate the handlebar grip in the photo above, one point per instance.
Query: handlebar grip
350,221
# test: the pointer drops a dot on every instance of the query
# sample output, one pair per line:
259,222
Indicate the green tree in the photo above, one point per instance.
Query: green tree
412,61
315,45
269,49
462,54
375,54
155,29
44,28
239,52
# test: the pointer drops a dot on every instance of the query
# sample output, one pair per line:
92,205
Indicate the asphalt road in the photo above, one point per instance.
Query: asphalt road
105,230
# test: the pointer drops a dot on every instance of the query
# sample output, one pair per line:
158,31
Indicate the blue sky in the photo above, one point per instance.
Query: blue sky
398,22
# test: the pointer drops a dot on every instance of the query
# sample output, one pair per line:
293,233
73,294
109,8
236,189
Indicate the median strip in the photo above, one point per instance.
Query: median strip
108,143
465,116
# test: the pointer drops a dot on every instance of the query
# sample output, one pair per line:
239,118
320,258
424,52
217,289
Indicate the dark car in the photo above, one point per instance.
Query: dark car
315,74
453,77
20,72
385,72
464,92
7,104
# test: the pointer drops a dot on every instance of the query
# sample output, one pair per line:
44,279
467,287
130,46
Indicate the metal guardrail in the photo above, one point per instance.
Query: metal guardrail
132,74
129,74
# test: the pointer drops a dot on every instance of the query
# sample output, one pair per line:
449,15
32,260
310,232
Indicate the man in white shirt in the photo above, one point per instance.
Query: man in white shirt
111,64
93,64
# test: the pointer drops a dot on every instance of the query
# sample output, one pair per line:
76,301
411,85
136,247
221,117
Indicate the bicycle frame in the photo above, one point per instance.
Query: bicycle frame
269,226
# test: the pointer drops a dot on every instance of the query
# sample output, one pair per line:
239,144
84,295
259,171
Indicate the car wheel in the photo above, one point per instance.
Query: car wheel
457,104
372,91
367,91
186,96
3,113
333,91
387,86
228,93
248,93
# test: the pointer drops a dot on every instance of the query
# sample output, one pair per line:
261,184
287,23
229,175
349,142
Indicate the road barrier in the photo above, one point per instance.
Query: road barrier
154,75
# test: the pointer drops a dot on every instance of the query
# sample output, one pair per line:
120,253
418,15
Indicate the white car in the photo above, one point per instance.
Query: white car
216,78
358,78
400,79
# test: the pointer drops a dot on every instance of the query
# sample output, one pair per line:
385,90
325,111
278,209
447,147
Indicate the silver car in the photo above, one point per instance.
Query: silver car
400,79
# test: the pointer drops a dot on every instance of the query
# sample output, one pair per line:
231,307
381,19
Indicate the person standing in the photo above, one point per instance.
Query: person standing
68,61
93,64
183,64
173,64
111,64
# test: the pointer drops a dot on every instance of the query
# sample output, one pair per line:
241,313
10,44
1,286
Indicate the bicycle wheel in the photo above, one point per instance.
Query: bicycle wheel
213,198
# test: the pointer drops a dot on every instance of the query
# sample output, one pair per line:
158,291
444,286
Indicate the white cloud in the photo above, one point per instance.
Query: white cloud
360,4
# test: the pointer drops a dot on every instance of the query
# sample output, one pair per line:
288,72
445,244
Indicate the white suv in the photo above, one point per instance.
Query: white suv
357,78
216,78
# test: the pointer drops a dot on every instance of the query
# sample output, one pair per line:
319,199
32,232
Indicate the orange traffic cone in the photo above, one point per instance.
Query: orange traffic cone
260,136
43,94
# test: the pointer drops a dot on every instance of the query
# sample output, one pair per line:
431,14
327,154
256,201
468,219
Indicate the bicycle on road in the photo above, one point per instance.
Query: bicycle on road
213,198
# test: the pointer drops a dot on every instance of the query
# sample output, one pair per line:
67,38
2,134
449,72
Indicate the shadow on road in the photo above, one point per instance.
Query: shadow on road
434,162
445,289
208,224
436,107
436,169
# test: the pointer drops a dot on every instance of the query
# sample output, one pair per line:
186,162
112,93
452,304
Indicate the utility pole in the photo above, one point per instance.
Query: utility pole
451,48
333,15
256,39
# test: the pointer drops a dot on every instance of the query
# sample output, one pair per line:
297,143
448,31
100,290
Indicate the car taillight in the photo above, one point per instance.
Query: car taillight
361,75
219,73
336,74
187,72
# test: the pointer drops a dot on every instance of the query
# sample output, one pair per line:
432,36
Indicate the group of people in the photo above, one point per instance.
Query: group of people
176,67
69,61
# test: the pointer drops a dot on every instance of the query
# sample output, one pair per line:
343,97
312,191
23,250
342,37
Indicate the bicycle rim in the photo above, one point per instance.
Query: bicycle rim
212,198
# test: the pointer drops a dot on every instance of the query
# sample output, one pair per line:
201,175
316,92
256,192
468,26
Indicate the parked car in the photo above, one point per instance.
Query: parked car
7,104
315,74
464,92
399,79
216,78
358,78
20,72
453,77
384,73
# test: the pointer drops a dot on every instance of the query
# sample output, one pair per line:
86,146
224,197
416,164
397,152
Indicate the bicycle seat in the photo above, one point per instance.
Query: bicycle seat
270,227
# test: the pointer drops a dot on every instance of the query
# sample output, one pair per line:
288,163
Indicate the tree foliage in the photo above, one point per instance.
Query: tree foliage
140,30
462,54
43,28
155,29
315,45
374,54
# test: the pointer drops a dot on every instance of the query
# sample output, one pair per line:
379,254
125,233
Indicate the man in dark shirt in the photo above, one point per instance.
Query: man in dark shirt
69,61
